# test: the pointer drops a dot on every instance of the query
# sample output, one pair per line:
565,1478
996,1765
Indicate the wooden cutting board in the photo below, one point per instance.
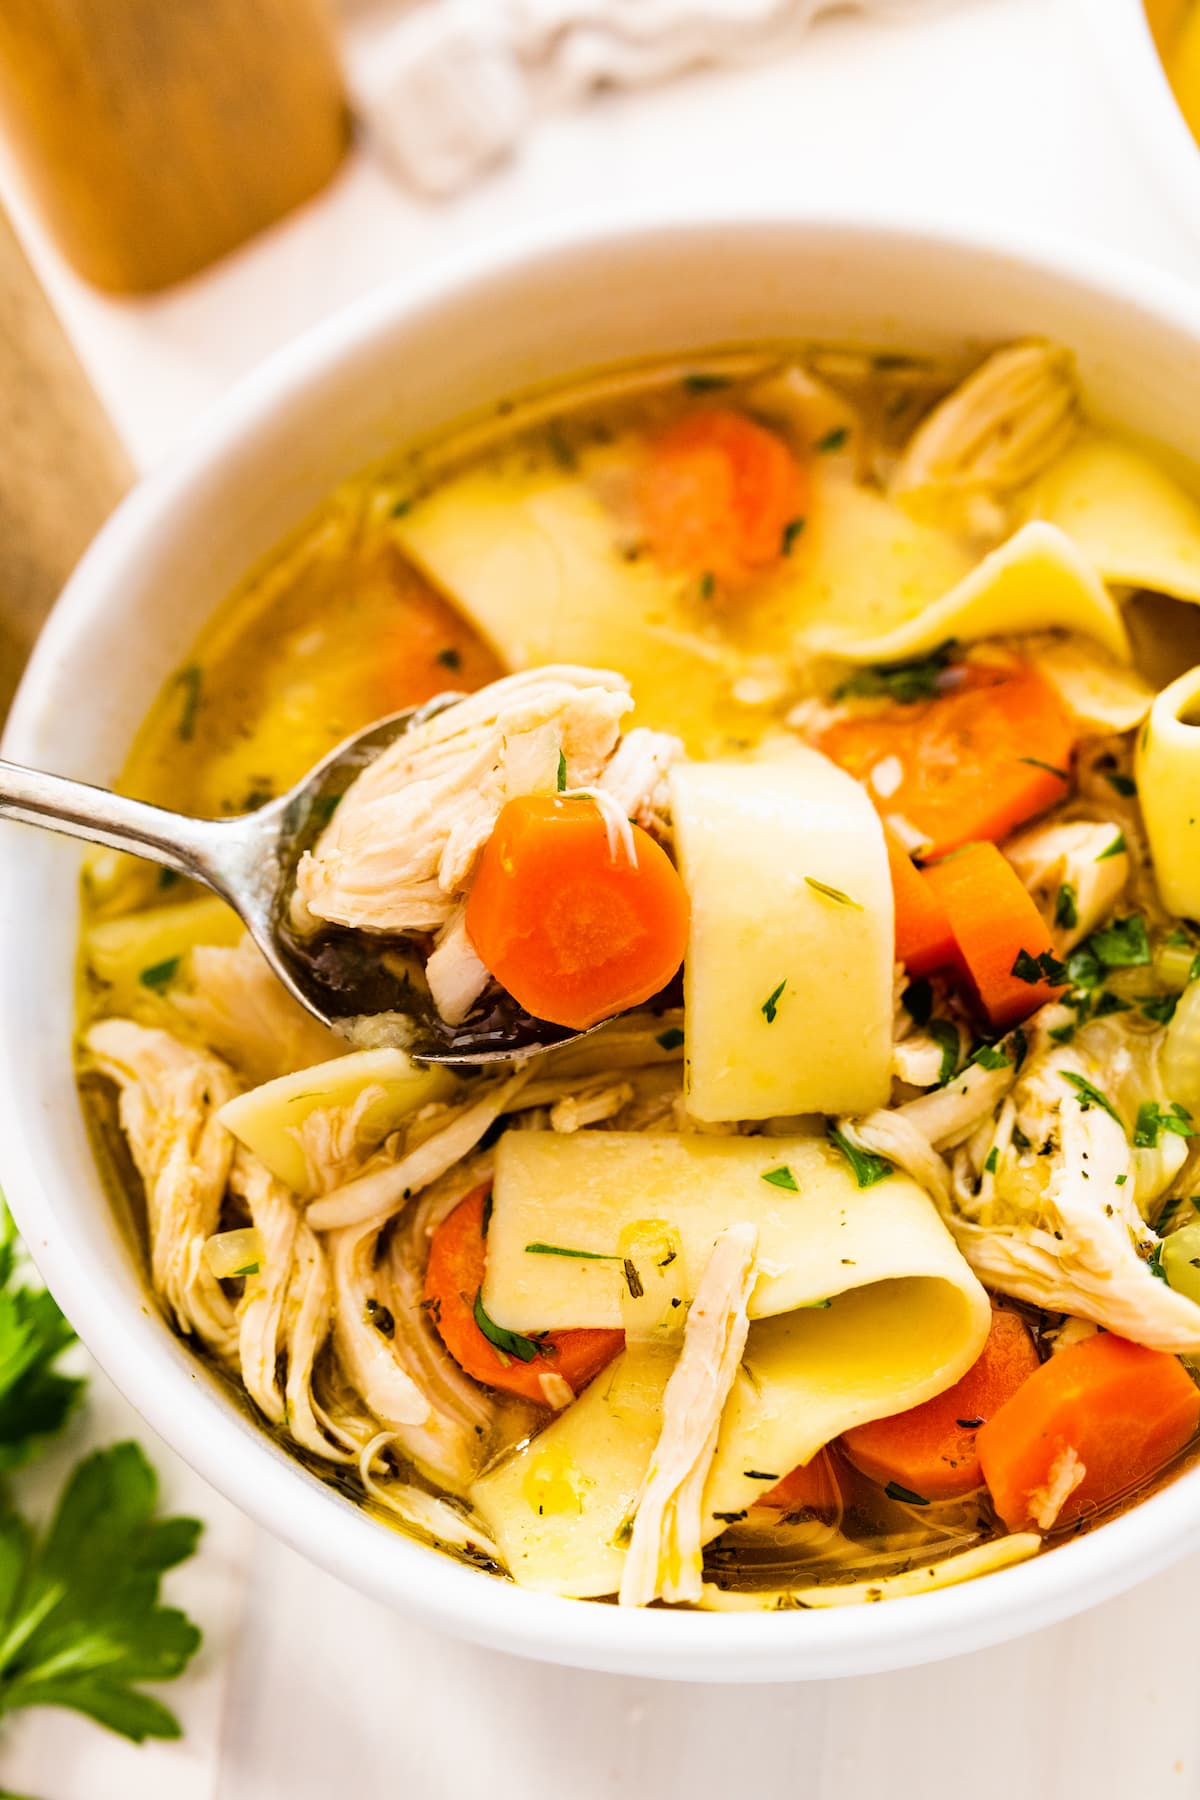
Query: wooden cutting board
62,469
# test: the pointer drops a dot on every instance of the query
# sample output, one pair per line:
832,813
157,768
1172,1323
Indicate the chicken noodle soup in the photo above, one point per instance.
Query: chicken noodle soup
824,755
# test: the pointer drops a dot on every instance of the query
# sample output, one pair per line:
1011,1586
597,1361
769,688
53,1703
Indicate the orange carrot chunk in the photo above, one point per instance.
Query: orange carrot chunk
975,761
572,928
811,1487
1001,940
1093,1424
453,1278
931,1449
720,496
924,940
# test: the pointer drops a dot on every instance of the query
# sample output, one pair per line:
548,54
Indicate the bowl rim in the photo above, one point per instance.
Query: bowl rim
238,1458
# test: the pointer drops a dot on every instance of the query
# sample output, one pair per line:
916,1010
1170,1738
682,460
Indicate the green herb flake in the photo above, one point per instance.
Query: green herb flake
1084,971
539,1249
730,1518
1066,907
868,1168
791,531
1044,967
1121,1180
1124,785
814,1305
1020,1141
993,1160
401,507
1123,944
834,439
191,682
562,773
633,1280
759,1475
1062,1034
905,682
1154,1263
1116,848
894,1491
782,1177
1108,1003
508,1343
945,1036
1035,762
1090,1096
159,976
704,383
708,585
832,893
671,1039
1151,1120
1160,1009
770,1005
991,1056
247,1269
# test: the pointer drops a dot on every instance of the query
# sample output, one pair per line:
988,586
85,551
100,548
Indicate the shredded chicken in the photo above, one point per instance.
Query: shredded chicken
454,972
401,848
636,777
434,1518
1066,1474
242,1011
169,1095
1072,857
666,1546
261,1334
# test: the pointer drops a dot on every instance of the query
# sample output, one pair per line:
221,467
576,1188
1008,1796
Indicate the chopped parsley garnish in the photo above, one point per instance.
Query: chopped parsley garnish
1161,1009
759,1475
782,1177
540,1249
1151,1120
1045,967
1116,848
671,1039
633,1280
814,1305
561,777
508,1343
993,1159
991,1056
248,1269
1123,944
1035,762
1108,1003
1124,784
160,975
1062,1034
894,1491
945,1036
1083,969
1154,1263
449,658
832,893
904,682
1020,1141
704,383
708,585
770,1005
730,1518
1066,907
917,1000
868,1168
400,507
1090,1096
791,532
835,439
191,680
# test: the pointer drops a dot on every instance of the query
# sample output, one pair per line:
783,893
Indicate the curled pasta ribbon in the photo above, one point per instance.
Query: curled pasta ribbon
1169,785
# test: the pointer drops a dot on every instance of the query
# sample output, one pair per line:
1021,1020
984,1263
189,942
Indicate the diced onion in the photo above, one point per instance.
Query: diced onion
232,1253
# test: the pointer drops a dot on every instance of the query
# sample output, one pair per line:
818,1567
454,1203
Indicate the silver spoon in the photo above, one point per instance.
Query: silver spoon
340,977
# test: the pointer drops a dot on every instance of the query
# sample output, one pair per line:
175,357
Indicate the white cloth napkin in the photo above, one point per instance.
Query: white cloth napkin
450,88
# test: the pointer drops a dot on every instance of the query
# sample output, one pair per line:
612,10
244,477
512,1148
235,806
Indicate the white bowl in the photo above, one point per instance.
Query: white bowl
393,367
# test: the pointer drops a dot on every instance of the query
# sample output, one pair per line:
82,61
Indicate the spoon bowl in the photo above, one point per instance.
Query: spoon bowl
357,983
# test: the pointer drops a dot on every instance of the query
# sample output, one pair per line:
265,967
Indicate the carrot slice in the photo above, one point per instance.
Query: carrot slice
811,1487
974,761
720,495
924,940
997,930
1093,1423
931,1449
572,929
453,1278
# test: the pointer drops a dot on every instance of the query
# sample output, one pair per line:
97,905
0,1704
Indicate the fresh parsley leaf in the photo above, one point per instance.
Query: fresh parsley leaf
1151,1120
1044,967
1161,1008
562,773
770,1005
894,1491
1108,1003
834,439
671,1039
1154,1263
562,1250
832,893
703,383
80,1619
904,682
1035,762
1116,848
35,1400
945,1036
993,1160
1123,944
1084,970
991,1056
160,975
1124,784
782,1177
1062,1034
1066,907
868,1169
508,1343
791,532
1090,1096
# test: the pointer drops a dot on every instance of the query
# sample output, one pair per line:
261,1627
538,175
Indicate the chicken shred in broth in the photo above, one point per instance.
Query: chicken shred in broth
861,1255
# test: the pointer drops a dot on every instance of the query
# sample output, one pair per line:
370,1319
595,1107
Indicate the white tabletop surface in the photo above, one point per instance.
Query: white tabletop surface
993,112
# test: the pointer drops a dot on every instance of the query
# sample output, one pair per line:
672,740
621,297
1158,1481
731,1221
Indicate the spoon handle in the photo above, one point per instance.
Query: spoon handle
32,797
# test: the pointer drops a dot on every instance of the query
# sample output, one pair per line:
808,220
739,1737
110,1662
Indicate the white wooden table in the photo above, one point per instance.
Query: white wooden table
992,112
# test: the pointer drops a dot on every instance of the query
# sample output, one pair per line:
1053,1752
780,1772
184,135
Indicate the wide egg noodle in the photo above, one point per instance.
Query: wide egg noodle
1135,524
559,1507
1168,776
